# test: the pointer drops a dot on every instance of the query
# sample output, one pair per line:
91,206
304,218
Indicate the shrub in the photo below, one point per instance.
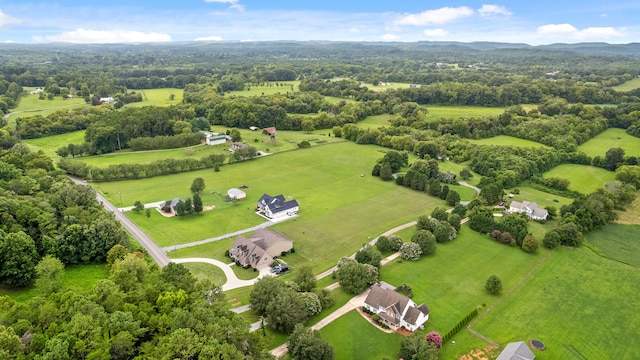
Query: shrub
530,244
434,338
410,251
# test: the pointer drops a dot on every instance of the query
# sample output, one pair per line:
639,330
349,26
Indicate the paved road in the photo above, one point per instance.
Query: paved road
464,183
232,281
158,255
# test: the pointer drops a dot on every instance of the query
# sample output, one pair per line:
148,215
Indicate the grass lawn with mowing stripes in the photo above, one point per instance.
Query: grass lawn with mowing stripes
580,305
617,241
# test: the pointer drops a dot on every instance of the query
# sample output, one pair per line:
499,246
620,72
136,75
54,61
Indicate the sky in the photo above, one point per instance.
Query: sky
124,21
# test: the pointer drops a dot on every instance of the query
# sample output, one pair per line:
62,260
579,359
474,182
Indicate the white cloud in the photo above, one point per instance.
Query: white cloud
233,4
436,32
493,10
590,33
85,36
7,41
599,33
437,17
390,37
208,38
8,19
555,29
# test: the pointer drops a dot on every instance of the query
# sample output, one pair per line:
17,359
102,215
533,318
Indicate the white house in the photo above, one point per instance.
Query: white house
236,194
214,138
36,91
532,209
108,100
395,309
274,207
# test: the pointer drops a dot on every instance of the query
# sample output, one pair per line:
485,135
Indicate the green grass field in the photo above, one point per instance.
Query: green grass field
454,112
207,272
628,85
631,215
583,179
375,121
267,89
31,105
339,209
617,241
76,278
542,198
157,97
611,138
580,305
504,140
286,140
52,143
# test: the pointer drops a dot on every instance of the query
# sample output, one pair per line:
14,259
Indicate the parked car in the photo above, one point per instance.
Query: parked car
279,269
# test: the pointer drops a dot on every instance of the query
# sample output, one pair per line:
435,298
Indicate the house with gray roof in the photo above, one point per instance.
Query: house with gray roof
274,207
259,249
170,206
394,308
516,351
530,208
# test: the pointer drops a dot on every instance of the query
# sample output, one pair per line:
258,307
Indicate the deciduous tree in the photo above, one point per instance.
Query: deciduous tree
493,285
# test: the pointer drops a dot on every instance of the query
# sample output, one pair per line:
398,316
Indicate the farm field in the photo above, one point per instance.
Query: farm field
584,179
375,121
628,85
336,203
594,324
454,112
157,97
31,105
611,138
631,215
269,89
52,143
504,140
617,241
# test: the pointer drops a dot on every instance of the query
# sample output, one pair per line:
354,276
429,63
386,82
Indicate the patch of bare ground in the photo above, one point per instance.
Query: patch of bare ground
486,353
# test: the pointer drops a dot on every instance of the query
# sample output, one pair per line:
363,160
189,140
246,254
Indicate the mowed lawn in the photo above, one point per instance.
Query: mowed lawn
339,209
375,121
582,178
611,138
157,97
580,305
504,140
617,241
353,337
52,143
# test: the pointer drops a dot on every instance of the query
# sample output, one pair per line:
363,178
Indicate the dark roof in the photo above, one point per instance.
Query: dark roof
276,203
414,312
516,351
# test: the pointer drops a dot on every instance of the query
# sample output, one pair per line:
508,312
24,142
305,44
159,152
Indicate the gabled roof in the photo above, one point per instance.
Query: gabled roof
270,130
516,351
385,298
277,203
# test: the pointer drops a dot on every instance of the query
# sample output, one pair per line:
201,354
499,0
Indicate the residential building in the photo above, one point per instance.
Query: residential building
532,209
516,351
394,308
260,249
274,207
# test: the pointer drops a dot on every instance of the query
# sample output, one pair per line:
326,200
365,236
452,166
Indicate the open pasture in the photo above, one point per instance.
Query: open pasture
339,209
628,85
580,305
631,215
52,143
611,138
375,121
269,88
542,198
455,112
504,140
583,178
157,97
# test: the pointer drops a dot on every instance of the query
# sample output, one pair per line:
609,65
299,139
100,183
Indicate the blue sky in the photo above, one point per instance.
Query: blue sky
115,21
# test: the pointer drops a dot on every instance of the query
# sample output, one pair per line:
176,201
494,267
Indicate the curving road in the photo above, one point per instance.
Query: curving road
232,280
158,255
